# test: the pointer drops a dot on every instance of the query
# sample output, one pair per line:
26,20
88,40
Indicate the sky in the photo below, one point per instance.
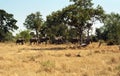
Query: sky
22,8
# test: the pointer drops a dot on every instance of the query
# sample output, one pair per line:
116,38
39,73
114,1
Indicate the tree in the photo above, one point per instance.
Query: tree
72,33
7,24
9,36
54,25
25,34
111,28
101,33
82,15
34,22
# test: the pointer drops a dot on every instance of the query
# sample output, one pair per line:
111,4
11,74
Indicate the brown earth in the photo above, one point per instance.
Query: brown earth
59,60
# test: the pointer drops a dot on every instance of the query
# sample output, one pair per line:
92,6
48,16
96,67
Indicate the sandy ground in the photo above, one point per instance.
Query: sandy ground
59,60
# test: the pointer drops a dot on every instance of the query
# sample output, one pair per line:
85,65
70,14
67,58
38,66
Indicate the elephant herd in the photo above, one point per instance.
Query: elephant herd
56,40
33,40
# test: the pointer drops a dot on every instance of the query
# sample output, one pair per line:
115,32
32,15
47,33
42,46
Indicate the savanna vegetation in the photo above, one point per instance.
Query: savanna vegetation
72,26
59,60
73,21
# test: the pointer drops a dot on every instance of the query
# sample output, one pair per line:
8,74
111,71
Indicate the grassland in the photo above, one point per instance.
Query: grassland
59,60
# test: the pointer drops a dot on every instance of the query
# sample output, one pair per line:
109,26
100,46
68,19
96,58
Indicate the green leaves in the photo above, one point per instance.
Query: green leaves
111,29
7,24
34,22
80,15
24,34
7,21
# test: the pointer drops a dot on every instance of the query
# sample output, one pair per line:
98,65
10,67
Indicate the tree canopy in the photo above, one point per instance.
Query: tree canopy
24,34
7,24
74,20
80,15
110,32
34,22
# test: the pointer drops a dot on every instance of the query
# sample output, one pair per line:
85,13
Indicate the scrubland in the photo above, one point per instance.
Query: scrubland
59,60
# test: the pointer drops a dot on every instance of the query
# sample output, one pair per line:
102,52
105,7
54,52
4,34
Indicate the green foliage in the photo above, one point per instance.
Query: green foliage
79,15
59,30
101,33
55,27
94,38
7,24
112,24
110,32
44,31
34,22
24,34
9,36
72,33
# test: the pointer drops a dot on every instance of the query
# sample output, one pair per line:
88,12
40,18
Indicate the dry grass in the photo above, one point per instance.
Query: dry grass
58,60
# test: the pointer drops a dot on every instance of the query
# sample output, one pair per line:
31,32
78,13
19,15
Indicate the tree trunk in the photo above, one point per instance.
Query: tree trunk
80,37
37,34
88,36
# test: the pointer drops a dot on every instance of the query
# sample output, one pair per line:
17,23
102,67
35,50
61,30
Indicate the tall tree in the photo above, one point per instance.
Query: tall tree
34,22
55,26
7,24
81,15
112,28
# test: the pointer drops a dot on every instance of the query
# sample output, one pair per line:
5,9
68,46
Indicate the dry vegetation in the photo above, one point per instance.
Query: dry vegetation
58,60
